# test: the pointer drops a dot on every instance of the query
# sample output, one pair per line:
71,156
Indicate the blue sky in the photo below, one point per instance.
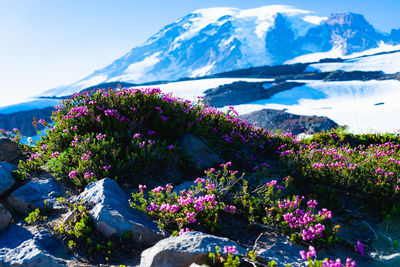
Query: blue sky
47,43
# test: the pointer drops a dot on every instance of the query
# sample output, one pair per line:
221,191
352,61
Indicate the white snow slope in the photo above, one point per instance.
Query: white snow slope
388,63
371,106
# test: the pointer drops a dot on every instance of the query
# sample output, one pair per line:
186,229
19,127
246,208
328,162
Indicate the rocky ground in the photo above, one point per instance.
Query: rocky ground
23,244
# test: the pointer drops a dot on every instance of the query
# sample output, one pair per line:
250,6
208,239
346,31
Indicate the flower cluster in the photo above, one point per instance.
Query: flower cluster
311,257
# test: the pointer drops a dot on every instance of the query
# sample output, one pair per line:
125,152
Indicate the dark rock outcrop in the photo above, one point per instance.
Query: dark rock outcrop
340,75
5,217
244,92
199,151
23,120
34,194
6,179
289,123
9,150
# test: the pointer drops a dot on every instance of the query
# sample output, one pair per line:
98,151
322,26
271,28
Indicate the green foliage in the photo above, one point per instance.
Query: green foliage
80,225
223,194
332,161
129,134
35,217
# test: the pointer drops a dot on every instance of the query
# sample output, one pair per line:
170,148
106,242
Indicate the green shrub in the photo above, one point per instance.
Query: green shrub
129,134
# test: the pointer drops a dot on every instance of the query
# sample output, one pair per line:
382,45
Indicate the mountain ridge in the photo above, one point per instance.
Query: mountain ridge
209,41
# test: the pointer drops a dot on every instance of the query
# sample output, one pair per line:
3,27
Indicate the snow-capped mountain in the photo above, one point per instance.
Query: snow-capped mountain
215,40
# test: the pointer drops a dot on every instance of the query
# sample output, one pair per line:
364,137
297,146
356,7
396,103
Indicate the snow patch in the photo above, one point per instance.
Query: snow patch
203,71
315,19
337,52
347,103
388,63
137,70
90,82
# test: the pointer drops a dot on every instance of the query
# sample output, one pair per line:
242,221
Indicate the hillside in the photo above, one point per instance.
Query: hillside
139,177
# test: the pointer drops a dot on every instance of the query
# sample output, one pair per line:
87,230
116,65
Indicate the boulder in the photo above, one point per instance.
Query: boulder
22,247
5,217
274,120
9,150
184,250
6,180
33,194
112,215
199,151
276,247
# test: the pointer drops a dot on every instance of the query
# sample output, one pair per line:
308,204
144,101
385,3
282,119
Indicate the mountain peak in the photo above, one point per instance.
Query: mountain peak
348,18
220,39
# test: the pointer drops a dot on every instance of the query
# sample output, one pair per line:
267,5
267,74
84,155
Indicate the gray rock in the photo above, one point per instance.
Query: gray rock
9,150
276,247
184,186
5,217
182,251
6,180
33,194
22,247
274,120
199,151
113,216
382,249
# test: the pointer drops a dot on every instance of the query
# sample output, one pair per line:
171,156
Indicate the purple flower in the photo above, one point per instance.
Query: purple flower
303,254
142,187
88,175
230,249
182,231
73,174
107,167
164,118
100,136
360,248
311,252
159,109
312,203
170,147
190,216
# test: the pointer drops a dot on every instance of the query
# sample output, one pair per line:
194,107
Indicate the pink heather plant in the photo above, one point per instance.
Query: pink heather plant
230,249
311,257
73,174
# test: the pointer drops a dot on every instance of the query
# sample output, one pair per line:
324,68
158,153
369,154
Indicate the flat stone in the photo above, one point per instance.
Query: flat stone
113,216
184,250
199,151
276,247
6,179
33,194
5,217
22,247
9,150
